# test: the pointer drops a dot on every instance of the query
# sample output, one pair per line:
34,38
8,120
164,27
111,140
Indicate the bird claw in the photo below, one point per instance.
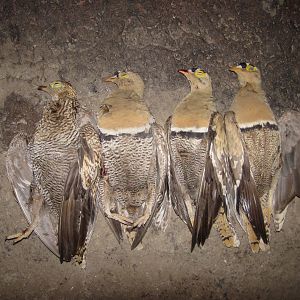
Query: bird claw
19,236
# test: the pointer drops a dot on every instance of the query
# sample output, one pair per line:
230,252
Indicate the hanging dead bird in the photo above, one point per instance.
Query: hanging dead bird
135,160
288,186
38,169
254,151
198,175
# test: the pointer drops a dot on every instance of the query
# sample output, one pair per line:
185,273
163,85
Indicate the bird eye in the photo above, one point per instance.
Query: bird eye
199,73
124,75
251,68
56,85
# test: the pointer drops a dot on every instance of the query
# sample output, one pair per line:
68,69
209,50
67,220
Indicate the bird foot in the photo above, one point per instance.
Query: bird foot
20,235
142,220
231,242
255,246
279,219
122,219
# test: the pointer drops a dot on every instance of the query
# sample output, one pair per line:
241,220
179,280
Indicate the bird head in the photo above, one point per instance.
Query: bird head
246,73
127,80
59,89
198,78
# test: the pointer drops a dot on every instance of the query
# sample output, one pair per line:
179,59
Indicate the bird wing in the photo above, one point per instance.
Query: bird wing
288,185
161,204
79,207
20,174
246,197
177,192
86,117
210,196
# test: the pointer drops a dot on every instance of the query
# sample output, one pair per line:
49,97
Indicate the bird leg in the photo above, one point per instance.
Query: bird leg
226,232
107,210
37,203
122,219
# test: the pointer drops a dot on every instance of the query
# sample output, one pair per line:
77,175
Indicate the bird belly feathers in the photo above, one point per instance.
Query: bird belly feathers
51,161
128,164
189,151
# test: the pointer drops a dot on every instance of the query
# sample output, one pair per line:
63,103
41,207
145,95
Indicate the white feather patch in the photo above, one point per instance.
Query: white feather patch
261,122
129,130
189,129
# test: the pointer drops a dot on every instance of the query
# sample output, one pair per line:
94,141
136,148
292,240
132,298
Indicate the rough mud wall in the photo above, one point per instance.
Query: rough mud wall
81,41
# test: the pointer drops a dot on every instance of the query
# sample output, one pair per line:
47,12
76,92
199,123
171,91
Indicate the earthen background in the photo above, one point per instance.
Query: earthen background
82,41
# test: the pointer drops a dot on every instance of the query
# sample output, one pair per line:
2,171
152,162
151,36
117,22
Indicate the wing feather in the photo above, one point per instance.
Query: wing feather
20,175
79,207
210,196
177,192
288,186
161,205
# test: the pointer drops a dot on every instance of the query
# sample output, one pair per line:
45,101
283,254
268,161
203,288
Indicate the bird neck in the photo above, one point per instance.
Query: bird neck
64,108
254,85
253,88
132,88
202,99
197,87
193,113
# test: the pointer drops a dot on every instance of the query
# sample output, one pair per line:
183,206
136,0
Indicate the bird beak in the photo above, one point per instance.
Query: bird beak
43,88
234,69
183,71
46,89
109,78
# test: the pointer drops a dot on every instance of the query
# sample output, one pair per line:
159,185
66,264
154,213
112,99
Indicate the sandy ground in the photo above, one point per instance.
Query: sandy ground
81,41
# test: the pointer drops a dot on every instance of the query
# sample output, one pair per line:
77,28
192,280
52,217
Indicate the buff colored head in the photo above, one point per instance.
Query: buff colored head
198,78
127,80
247,73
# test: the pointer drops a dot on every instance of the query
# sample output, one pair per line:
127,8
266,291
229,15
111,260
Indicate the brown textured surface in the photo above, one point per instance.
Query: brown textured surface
82,41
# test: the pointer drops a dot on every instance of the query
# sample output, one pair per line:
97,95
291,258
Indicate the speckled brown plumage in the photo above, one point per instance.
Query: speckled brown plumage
52,152
135,160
